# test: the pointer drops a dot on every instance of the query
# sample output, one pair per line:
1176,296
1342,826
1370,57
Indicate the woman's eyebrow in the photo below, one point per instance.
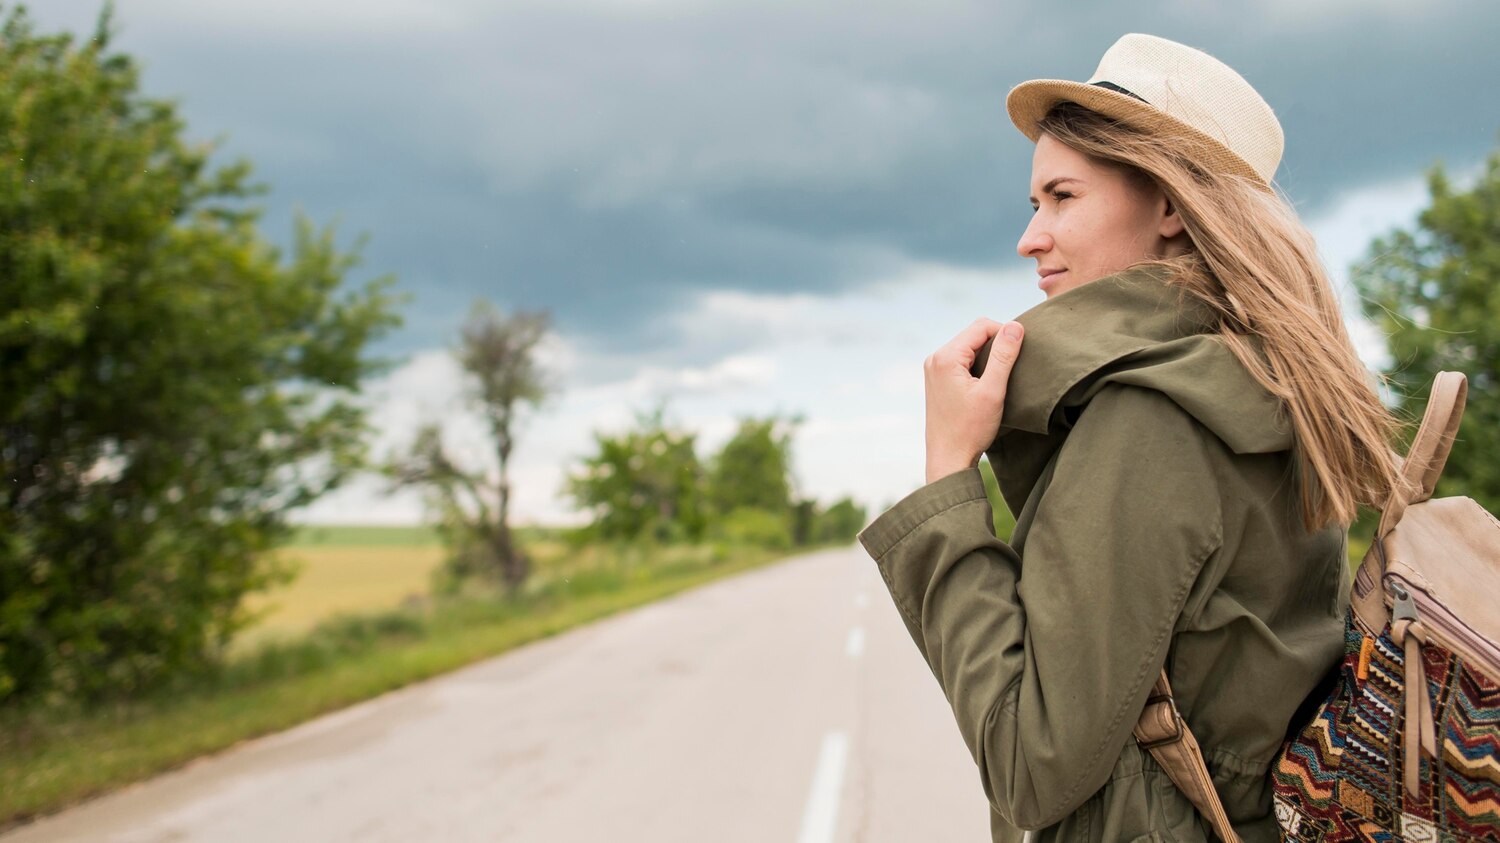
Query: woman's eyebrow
1047,188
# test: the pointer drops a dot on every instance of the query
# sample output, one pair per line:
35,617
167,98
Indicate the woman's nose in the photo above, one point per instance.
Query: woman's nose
1034,240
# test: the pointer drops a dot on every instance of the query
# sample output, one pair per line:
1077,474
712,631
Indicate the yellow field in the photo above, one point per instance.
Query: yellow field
360,571
339,579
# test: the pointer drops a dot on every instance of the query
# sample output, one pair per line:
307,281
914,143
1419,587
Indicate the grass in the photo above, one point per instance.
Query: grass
1357,549
355,536
50,759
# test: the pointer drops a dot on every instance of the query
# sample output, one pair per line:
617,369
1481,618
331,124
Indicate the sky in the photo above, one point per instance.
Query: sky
746,208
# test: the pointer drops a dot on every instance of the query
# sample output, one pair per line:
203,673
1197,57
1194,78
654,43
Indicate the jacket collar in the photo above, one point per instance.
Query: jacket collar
1133,327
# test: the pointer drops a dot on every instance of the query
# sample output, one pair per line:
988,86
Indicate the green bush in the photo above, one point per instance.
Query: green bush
171,384
754,527
841,522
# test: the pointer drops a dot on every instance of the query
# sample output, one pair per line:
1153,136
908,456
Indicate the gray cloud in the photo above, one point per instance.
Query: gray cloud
605,160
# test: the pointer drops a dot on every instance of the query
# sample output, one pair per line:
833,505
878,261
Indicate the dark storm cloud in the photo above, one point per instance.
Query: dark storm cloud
603,160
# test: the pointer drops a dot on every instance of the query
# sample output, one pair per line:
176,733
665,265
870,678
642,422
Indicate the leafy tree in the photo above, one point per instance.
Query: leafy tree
804,521
841,522
644,483
811,523
170,385
1435,291
498,353
753,469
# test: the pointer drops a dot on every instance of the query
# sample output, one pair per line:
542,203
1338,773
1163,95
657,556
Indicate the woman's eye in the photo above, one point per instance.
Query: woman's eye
1059,195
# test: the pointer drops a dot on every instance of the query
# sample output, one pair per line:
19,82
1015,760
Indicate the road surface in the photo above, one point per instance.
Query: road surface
784,704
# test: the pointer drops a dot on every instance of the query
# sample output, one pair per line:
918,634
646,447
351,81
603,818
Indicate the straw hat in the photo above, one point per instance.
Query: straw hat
1164,86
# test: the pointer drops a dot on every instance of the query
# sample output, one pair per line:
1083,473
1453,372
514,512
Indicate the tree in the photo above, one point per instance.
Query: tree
811,523
1435,291
170,386
841,522
754,468
644,483
805,521
498,354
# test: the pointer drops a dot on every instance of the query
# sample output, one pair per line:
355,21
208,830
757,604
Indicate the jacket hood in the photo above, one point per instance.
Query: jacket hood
1133,327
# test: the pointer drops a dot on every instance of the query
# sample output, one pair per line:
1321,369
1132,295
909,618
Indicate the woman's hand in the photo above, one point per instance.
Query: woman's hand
963,412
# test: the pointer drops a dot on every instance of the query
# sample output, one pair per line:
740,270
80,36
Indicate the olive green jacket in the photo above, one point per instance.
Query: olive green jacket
1157,524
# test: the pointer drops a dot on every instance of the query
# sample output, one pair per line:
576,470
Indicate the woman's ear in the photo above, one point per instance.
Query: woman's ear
1171,222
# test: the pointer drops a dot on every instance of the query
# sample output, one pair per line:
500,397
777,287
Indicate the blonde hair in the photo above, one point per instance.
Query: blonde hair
1257,267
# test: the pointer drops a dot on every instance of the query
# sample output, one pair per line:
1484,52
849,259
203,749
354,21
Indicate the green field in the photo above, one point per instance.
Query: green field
367,536
360,536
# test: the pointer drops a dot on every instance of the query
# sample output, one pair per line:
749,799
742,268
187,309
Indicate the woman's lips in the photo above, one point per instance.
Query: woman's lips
1048,279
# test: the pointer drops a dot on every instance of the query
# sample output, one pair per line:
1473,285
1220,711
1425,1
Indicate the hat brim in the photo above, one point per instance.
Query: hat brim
1028,102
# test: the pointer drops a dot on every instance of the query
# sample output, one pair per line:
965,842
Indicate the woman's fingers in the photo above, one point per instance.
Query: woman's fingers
975,334
1002,355
963,414
962,349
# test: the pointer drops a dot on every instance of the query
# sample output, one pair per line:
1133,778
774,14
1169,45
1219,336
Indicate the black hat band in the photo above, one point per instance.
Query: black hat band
1117,89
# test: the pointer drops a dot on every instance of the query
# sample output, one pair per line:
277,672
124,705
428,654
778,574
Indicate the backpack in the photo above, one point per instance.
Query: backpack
1406,746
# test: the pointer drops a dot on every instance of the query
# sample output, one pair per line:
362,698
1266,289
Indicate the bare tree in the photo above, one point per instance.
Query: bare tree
498,355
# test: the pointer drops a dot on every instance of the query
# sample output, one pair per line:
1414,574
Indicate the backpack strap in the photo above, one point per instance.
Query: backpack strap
1420,471
1429,449
1162,731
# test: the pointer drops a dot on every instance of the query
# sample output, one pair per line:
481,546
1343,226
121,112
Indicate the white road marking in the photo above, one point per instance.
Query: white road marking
856,642
820,817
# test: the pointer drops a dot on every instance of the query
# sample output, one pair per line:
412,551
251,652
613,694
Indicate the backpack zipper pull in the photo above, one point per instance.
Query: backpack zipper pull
1419,731
1404,609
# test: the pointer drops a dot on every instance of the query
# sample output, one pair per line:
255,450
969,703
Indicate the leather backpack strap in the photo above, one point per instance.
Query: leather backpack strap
1421,467
1161,730
1429,449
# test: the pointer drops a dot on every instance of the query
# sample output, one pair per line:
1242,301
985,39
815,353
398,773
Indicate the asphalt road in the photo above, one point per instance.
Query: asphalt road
784,704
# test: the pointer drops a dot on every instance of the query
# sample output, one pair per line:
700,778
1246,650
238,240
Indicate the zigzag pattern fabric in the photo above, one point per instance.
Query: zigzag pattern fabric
1340,778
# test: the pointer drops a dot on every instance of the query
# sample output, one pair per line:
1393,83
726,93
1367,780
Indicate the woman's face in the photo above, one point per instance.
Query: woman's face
1092,220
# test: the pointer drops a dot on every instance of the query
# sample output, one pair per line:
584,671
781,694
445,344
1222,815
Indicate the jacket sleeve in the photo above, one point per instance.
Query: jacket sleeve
1047,657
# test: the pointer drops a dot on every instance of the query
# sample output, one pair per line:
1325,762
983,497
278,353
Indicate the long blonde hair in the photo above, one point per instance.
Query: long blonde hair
1257,267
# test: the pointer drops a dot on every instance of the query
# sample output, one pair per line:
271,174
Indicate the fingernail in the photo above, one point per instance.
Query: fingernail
1013,330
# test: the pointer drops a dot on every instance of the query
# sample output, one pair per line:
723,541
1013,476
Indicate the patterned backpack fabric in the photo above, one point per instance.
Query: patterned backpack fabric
1407,745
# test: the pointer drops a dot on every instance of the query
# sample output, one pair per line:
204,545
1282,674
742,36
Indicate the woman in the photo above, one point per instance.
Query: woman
1184,435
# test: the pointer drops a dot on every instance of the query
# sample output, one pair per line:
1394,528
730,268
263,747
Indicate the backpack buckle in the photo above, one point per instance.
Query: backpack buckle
1176,722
